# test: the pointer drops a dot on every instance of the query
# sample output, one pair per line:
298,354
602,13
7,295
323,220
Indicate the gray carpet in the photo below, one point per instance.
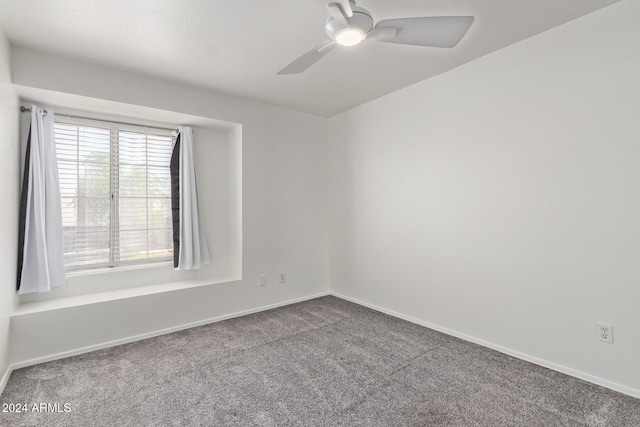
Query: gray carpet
325,362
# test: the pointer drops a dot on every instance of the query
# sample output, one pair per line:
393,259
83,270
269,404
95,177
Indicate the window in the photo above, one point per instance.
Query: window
115,187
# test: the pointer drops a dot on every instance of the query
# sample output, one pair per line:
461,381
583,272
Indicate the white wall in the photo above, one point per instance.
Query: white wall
501,200
283,211
9,211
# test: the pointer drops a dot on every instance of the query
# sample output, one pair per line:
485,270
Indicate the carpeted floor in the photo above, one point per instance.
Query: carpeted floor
324,362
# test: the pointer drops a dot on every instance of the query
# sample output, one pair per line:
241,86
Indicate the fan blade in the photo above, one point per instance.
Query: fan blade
434,31
308,59
381,34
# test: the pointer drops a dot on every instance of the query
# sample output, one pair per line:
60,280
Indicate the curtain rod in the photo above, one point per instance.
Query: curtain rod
23,109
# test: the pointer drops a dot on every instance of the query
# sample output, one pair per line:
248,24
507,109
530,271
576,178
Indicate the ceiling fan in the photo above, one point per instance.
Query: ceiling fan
348,25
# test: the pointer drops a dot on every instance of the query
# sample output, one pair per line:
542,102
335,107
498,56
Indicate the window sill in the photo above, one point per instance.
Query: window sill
108,270
81,300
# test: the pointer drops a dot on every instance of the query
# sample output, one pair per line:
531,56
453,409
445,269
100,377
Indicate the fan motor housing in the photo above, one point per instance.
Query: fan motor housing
361,20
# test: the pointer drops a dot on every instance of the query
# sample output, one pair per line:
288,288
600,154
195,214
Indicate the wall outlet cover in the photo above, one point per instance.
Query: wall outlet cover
604,332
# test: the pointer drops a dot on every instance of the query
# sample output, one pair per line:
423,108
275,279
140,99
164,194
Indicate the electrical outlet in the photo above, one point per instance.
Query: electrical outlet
283,277
262,280
605,332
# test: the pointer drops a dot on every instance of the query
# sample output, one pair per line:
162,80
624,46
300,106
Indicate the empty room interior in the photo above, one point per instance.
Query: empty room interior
435,222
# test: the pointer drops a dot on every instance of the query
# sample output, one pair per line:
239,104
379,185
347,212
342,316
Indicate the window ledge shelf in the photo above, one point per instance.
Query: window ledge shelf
95,298
108,270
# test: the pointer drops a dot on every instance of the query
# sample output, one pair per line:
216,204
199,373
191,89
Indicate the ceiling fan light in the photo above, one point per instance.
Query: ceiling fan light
349,37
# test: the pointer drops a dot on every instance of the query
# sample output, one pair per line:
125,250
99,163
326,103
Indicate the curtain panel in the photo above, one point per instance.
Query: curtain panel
41,242
190,251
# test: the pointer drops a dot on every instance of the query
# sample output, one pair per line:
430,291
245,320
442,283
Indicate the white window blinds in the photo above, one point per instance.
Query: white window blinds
115,190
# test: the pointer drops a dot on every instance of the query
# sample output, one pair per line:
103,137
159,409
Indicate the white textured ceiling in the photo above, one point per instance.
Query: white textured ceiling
237,46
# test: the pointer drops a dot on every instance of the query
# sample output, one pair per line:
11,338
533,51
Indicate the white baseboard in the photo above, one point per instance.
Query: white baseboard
5,378
75,352
630,391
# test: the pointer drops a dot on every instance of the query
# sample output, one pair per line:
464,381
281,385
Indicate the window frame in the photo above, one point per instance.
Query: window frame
115,127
